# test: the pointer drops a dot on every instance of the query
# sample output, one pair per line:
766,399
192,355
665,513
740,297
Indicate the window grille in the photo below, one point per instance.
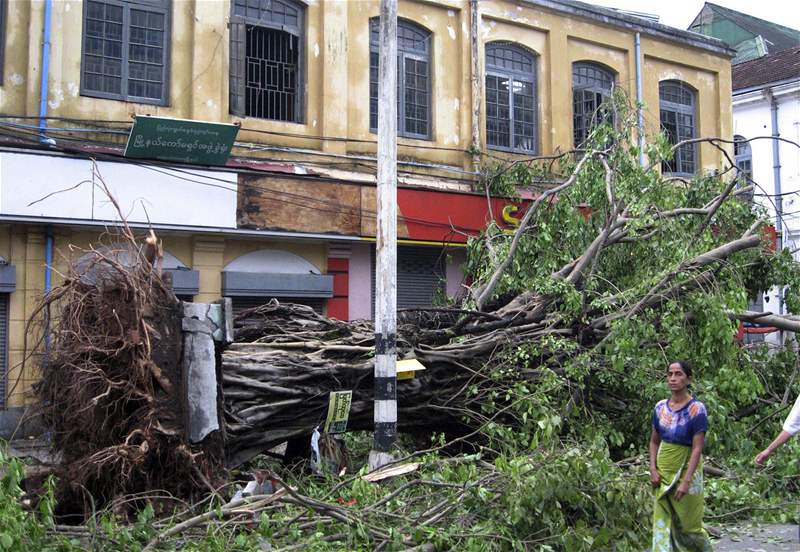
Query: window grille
511,108
126,50
266,74
678,121
413,79
592,85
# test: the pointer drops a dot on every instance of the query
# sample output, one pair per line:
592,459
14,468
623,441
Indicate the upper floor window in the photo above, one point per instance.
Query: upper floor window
511,111
126,50
744,158
592,85
266,69
413,79
679,121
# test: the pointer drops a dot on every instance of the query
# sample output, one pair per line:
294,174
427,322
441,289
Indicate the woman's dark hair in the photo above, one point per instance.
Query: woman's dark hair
687,369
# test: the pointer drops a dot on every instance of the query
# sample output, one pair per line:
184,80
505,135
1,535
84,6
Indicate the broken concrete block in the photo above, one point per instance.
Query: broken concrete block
199,366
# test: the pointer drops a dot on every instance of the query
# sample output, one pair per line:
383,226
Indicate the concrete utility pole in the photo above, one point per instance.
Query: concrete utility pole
385,414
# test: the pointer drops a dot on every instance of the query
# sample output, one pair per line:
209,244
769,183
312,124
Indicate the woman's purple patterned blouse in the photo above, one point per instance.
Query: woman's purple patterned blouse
679,427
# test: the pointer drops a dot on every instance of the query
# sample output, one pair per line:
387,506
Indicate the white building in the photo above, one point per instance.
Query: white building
766,104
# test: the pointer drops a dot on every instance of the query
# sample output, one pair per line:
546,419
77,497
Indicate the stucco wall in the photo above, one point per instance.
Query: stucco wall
337,68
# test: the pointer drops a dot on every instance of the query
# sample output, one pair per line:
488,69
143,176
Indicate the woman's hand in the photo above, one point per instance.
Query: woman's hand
655,479
682,489
762,457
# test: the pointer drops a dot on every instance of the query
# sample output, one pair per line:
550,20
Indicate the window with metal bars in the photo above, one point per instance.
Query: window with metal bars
678,122
266,69
592,85
126,50
511,106
413,79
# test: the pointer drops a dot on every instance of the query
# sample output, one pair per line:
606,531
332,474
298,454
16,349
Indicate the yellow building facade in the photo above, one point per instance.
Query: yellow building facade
335,86
200,59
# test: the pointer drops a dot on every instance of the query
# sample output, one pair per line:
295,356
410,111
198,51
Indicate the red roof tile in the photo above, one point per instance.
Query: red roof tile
776,67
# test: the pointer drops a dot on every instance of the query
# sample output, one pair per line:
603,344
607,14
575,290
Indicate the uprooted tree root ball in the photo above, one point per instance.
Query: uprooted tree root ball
111,382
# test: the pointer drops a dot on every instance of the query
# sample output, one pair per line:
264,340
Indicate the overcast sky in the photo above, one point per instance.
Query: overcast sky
679,13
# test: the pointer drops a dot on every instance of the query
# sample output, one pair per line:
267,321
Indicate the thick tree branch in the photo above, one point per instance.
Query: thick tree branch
491,285
787,323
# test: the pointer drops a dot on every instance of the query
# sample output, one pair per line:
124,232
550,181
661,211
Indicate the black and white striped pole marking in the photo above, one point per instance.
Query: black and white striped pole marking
385,414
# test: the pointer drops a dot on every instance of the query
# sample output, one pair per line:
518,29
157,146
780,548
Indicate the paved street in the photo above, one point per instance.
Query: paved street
765,538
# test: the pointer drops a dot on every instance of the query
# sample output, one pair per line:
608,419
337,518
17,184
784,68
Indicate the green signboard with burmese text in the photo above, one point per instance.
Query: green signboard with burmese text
181,140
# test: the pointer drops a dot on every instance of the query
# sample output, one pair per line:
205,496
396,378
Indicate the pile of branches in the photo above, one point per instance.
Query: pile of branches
111,385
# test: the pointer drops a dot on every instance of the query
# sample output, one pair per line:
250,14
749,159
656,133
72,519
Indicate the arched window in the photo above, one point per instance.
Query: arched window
266,70
677,103
413,78
592,85
744,159
511,110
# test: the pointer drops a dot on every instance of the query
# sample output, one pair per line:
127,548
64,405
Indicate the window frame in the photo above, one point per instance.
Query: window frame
299,31
679,109
745,154
404,54
595,88
163,6
513,75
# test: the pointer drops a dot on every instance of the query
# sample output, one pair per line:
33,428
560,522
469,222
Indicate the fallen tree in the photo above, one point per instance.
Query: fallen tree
546,373
661,269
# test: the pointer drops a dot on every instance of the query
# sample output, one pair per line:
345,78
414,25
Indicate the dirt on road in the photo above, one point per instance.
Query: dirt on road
759,538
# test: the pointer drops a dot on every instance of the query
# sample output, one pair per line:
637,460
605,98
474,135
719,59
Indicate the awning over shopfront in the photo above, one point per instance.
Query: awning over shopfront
275,273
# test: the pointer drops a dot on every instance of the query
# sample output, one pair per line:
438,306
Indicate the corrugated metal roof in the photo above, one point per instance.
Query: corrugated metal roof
778,37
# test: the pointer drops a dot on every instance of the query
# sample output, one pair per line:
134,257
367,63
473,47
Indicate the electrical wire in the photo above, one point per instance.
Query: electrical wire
258,147
35,137
243,128
300,200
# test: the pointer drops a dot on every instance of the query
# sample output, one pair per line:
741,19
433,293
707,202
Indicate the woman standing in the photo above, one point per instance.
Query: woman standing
676,447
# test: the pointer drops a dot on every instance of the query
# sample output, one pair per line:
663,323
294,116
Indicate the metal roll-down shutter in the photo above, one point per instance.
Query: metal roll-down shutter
420,276
3,348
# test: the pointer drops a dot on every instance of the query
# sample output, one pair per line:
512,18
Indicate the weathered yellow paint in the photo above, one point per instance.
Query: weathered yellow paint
336,64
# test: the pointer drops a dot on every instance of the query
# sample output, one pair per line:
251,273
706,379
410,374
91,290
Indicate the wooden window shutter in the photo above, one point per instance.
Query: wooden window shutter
237,68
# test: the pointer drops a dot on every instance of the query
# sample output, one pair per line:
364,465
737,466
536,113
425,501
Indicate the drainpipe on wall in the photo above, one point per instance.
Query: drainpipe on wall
45,69
637,47
474,19
776,178
48,284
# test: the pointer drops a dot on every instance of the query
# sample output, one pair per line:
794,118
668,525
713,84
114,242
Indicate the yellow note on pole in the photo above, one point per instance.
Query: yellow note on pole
338,411
407,369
